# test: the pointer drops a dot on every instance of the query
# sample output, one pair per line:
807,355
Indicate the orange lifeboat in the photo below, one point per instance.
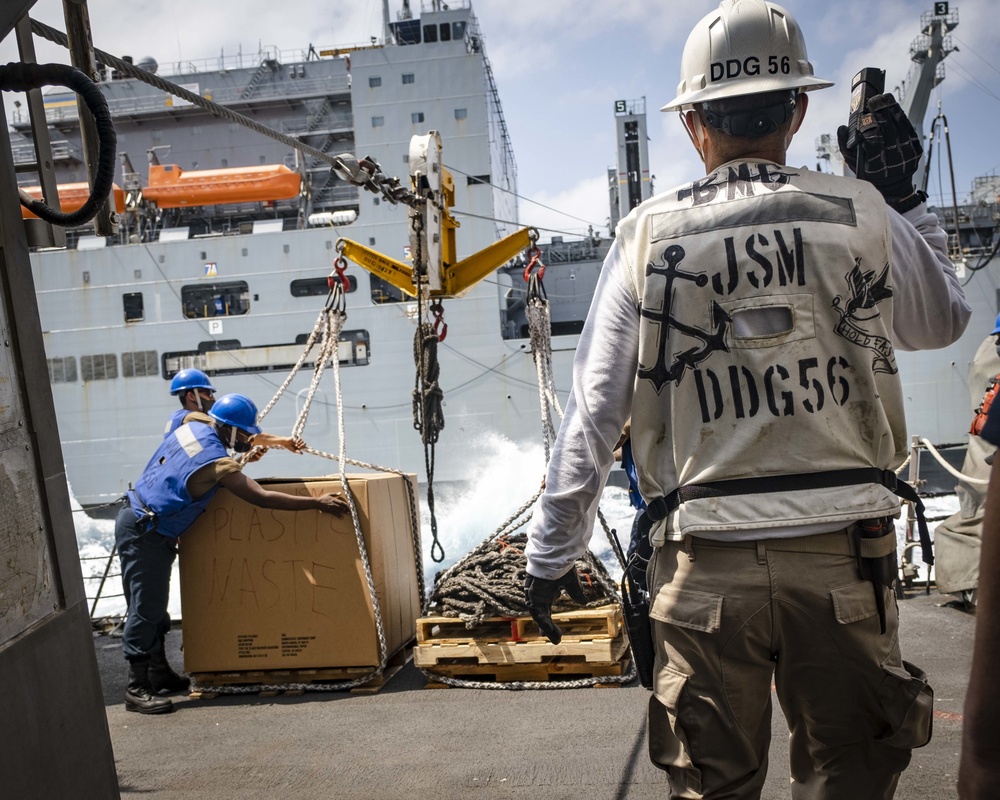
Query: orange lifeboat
171,187
72,196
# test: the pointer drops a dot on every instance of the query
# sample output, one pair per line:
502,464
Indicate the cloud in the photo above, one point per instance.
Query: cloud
569,211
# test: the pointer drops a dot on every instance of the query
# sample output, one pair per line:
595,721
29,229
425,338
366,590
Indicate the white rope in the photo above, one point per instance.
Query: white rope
905,464
950,468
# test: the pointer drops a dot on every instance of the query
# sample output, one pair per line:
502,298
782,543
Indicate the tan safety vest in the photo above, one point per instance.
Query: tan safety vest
764,346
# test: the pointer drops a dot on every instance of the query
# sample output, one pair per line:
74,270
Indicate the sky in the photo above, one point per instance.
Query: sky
560,65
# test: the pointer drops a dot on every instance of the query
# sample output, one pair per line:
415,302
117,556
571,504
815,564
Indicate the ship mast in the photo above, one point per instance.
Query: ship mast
386,32
927,52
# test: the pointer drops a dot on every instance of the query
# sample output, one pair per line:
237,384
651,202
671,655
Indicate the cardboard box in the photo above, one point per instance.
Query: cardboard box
264,589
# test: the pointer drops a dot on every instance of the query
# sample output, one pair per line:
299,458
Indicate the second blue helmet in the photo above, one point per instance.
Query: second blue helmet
236,410
188,379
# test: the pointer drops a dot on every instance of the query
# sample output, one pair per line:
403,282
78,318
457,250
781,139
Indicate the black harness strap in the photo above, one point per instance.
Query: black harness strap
661,507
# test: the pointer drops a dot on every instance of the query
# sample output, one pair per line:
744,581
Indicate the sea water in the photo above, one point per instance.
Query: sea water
508,476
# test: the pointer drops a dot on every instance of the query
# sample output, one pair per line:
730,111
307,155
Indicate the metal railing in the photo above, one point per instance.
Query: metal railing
102,586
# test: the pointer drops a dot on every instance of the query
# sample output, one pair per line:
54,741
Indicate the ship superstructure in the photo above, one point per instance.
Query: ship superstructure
206,271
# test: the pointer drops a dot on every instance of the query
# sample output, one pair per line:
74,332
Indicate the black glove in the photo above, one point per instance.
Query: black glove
541,592
886,152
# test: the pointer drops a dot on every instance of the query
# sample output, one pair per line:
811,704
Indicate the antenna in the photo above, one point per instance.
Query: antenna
386,30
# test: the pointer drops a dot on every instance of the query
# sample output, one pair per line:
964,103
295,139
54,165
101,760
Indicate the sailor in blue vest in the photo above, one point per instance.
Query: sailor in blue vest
197,395
174,488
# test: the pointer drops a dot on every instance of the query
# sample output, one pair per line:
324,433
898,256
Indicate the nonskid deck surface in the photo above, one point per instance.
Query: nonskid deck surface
407,742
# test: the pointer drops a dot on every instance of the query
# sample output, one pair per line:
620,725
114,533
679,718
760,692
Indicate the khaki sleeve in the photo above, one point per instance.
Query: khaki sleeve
209,475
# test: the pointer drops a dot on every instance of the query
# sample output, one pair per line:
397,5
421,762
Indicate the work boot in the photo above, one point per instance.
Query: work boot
139,694
161,677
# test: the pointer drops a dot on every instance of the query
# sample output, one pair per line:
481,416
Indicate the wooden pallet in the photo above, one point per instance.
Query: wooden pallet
292,677
585,624
590,651
557,668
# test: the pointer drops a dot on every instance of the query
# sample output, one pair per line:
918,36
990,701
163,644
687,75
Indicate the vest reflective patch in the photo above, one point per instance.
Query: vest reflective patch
185,435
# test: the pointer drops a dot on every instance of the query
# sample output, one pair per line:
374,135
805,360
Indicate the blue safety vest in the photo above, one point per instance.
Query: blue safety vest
175,421
160,499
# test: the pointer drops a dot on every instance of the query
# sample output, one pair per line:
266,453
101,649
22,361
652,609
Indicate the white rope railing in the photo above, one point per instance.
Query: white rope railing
940,459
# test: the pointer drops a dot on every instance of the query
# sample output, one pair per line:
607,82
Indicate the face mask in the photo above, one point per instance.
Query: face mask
238,445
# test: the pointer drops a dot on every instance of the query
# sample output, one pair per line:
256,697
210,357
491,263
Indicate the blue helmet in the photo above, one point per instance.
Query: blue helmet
188,379
237,411
996,326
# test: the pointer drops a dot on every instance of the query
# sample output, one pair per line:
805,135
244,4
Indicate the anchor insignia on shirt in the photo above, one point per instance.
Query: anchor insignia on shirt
660,374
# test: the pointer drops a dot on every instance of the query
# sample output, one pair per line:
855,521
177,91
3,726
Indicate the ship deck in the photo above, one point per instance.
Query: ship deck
410,742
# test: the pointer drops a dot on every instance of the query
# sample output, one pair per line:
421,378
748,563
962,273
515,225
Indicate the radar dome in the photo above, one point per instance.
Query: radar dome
148,63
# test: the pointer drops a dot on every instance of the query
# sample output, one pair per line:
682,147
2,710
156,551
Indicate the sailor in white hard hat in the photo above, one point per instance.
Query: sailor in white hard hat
747,321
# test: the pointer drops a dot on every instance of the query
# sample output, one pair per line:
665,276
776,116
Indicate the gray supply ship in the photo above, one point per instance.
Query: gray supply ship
225,245
227,239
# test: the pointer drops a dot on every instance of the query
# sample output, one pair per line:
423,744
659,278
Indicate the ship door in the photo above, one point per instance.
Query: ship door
54,726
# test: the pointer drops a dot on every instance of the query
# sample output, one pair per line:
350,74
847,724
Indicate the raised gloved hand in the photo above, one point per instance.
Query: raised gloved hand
886,152
540,594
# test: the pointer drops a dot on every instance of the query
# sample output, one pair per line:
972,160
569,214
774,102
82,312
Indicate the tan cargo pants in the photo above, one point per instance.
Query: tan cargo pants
727,619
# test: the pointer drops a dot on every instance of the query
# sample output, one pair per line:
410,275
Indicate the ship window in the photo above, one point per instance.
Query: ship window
215,345
378,122
461,113
318,287
417,116
215,299
383,291
407,77
374,80
458,30
472,180
132,303
354,349
231,358
102,367
430,33
140,364
445,31
62,370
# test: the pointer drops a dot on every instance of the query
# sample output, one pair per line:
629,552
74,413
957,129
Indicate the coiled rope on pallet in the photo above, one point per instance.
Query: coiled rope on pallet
488,581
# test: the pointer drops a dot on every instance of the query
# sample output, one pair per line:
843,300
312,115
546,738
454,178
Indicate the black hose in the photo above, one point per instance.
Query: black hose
18,77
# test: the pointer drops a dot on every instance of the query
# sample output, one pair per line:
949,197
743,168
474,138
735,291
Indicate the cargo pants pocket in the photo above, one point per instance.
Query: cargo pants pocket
668,744
672,725
908,704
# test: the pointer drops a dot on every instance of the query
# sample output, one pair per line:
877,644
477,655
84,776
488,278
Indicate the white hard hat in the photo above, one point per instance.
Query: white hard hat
744,47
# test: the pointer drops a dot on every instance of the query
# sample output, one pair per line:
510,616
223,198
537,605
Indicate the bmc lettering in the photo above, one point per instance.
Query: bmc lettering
744,180
781,391
774,259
